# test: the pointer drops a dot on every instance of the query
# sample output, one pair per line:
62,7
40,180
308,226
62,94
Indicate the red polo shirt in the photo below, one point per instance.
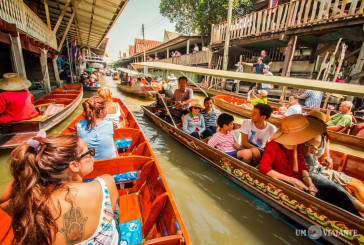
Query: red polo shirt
16,106
280,159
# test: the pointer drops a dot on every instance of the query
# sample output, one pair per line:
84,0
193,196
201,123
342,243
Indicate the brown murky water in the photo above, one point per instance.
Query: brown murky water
214,210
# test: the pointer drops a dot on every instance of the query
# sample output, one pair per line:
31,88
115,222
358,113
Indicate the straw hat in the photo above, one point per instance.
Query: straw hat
263,92
297,129
196,104
14,82
172,77
317,115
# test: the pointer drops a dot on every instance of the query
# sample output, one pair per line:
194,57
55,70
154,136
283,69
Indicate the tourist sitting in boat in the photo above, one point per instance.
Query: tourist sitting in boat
312,98
294,106
16,103
210,115
48,193
203,83
193,122
224,140
93,80
182,96
342,119
262,94
318,147
97,131
139,82
114,112
171,86
255,133
283,158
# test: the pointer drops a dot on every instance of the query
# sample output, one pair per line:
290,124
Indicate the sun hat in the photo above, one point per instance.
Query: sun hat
317,115
263,92
172,77
14,82
297,129
196,104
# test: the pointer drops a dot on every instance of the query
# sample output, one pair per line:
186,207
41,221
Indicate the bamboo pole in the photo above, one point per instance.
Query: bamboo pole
288,71
322,65
203,91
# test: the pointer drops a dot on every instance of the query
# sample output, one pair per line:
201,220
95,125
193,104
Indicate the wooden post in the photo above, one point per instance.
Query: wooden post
145,59
238,85
17,56
67,29
227,40
287,56
47,14
188,47
167,53
56,73
61,17
44,66
288,66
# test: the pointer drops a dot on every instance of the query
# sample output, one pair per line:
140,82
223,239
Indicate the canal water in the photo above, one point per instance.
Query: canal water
214,210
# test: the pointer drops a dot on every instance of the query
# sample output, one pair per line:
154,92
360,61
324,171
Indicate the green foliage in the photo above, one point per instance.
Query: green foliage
197,16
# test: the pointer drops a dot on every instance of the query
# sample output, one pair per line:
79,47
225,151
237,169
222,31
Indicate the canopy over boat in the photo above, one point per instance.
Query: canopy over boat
339,88
130,72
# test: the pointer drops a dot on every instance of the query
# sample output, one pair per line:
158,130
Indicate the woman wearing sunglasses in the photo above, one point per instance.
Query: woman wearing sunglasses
97,131
47,200
194,123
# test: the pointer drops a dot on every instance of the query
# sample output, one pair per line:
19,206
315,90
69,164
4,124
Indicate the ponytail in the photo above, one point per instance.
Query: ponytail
92,108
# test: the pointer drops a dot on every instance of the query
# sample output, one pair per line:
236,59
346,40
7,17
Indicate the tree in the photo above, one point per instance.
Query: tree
197,16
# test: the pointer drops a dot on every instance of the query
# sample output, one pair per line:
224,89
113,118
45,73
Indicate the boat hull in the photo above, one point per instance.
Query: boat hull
15,133
145,92
288,200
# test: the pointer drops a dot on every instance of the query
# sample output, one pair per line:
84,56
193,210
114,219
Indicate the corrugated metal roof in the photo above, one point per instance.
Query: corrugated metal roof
148,44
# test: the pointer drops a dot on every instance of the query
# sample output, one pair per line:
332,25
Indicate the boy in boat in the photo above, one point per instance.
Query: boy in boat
294,106
255,133
342,119
224,140
262,97
210,115
16,103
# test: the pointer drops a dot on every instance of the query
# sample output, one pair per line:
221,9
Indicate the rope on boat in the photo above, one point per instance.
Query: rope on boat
164,103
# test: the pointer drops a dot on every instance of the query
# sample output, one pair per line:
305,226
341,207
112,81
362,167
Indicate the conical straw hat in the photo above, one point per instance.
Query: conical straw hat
14,82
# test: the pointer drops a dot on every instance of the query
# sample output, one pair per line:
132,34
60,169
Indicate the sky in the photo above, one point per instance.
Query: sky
129,26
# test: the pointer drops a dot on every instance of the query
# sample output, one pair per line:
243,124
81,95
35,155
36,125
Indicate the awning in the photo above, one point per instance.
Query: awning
130,72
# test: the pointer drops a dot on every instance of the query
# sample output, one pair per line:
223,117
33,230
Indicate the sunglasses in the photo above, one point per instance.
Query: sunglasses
196,108
90,151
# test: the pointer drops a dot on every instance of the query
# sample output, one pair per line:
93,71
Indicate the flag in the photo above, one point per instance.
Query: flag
74,48
272,4
106,55
80,56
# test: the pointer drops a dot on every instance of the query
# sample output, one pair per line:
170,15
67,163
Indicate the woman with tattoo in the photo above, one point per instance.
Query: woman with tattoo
47,200
97,131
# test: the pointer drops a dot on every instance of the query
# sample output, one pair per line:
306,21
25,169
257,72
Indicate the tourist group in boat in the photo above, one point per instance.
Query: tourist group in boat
49,202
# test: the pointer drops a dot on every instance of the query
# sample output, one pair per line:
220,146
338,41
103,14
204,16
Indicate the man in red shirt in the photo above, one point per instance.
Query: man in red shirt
16,103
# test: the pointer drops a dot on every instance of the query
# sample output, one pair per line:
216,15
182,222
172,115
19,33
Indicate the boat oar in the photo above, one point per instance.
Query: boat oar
203,91
164,103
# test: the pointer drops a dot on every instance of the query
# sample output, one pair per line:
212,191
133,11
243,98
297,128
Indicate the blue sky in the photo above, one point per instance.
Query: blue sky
129,26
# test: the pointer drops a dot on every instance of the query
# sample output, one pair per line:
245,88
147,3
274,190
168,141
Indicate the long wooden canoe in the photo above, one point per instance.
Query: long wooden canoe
140,91
234,105
68,96
146,202
299,206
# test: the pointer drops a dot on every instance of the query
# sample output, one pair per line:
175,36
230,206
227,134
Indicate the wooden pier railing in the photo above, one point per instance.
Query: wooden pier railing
296,14
202,57
17,12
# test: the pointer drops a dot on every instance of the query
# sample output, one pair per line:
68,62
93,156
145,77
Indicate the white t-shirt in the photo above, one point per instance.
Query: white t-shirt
293,109
257,137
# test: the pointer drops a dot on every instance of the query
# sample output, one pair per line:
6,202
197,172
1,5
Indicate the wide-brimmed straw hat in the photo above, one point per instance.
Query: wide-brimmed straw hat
263,92
317,115
297,129
14,82
196,104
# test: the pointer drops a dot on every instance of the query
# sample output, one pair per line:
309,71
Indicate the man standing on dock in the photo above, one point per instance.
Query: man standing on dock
266,59
258,70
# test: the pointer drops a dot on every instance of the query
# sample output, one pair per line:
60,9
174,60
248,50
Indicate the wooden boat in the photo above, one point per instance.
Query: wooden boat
146,202
67,97
115,77
297,205
235,105
145,92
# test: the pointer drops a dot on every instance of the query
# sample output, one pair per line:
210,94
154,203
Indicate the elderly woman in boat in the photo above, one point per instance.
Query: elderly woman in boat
47,200
283,159
16,103
114,112
319,148
194,123
97,131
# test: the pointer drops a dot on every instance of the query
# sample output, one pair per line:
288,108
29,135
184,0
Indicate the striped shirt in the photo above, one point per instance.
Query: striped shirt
182,96
312,98
210,118
223,142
